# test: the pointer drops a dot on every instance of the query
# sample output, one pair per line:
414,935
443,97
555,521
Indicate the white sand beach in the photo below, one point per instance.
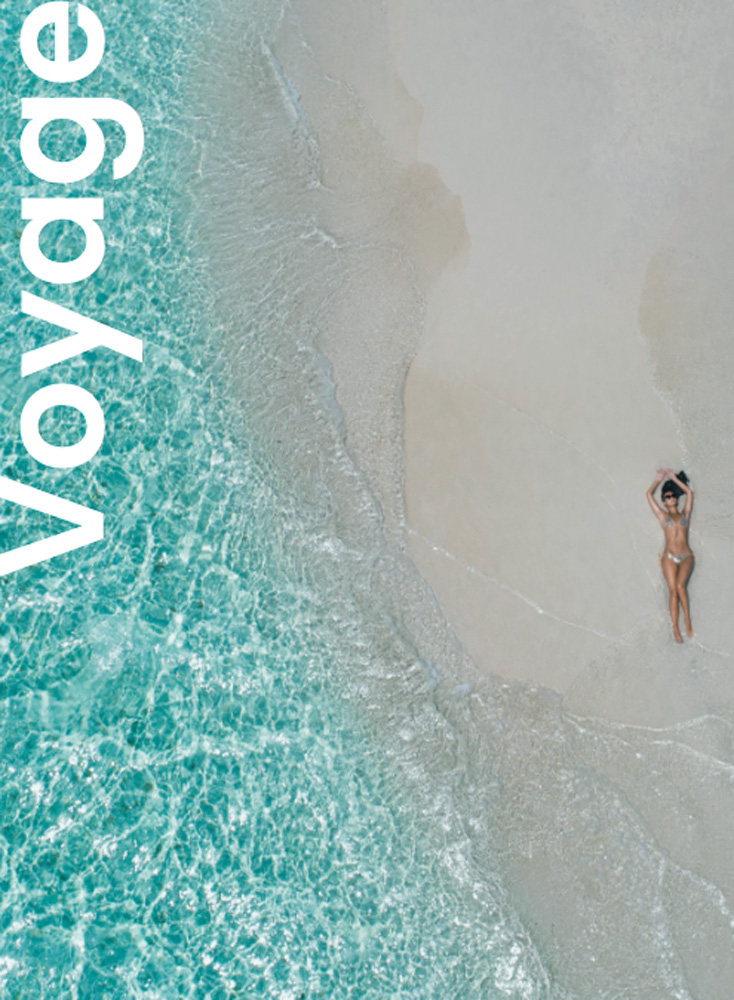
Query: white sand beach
560,188
553,378
558,178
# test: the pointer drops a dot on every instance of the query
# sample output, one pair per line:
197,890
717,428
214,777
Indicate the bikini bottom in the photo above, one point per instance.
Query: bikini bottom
678,559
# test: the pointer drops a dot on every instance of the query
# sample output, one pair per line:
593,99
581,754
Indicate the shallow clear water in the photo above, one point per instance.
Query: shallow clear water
194,800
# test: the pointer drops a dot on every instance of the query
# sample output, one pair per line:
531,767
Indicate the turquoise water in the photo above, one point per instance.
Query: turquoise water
197,798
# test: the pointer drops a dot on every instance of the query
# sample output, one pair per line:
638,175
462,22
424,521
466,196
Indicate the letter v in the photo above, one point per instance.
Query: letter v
88,333
90,526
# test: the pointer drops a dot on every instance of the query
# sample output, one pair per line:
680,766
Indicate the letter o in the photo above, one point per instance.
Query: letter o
62,456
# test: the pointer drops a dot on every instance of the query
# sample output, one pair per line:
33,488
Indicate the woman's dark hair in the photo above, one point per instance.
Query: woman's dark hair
669,486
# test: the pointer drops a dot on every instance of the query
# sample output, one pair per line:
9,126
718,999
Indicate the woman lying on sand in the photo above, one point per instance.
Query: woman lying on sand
677,559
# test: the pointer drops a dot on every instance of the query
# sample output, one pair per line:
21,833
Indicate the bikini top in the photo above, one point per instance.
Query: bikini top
669,522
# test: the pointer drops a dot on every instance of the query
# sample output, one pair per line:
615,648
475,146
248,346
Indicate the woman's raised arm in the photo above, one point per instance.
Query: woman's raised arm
654,505
688,492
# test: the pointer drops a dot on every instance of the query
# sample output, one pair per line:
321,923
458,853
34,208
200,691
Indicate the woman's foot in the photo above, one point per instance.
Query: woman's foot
689,629
677,636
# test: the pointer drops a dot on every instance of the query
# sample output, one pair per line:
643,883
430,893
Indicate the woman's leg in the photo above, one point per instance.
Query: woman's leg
670,572
684,571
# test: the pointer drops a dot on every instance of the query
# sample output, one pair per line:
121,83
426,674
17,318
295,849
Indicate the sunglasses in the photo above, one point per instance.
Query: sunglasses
670,496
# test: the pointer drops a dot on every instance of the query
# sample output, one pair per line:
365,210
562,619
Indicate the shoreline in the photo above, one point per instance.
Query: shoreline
560,296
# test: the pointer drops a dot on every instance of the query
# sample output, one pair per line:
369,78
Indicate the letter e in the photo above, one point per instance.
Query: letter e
61,69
